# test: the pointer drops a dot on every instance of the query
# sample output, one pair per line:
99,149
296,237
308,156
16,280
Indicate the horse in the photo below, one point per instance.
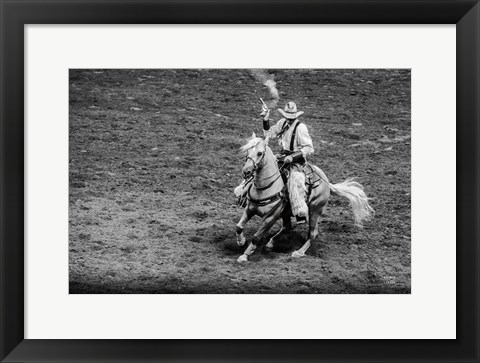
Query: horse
264,191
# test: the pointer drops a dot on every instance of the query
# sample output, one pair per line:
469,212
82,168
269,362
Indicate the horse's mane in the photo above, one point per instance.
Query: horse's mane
251,143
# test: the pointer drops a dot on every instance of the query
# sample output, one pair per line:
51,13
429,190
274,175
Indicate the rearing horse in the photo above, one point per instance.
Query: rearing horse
266,197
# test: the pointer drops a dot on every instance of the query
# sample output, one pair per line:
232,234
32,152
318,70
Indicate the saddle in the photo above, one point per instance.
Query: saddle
311,176
285,168
312,180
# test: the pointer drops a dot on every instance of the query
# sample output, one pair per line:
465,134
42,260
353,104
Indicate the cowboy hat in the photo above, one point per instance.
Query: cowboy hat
290,111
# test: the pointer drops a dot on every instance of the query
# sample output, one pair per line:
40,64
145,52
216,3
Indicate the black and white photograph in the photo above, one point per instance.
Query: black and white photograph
169,166
239,181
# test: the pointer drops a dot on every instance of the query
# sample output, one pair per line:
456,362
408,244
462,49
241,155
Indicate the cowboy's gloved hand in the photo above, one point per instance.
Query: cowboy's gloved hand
265,117
288,159
265,111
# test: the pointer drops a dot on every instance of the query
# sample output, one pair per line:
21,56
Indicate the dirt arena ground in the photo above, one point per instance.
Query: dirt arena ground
154,158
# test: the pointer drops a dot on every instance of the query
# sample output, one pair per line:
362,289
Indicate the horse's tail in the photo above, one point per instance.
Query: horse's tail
353,191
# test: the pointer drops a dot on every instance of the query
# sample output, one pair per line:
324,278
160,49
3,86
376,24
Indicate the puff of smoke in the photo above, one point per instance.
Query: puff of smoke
269,82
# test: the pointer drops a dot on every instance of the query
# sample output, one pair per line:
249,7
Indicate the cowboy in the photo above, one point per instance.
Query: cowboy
296,145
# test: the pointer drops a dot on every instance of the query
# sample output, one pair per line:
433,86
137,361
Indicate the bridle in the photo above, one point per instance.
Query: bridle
264,201
255,165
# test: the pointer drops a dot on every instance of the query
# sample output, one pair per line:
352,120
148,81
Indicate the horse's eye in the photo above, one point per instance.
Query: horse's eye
259,153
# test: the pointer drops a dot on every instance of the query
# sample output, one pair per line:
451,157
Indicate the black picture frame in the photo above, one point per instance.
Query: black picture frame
16,14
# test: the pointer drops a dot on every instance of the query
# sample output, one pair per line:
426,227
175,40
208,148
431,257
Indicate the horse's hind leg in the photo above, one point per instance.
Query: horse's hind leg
312,232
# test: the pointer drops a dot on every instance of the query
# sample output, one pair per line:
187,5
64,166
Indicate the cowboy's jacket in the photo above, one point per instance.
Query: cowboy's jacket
302,142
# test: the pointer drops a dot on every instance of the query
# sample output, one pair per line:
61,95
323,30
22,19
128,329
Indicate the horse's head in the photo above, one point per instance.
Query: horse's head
255,150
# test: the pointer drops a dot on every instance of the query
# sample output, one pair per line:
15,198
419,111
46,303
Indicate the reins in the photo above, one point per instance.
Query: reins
265,201
270,184
270,199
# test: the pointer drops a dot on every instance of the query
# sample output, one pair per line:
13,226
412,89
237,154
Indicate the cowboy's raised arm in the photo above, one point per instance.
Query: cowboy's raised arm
265,114
271,131
266,121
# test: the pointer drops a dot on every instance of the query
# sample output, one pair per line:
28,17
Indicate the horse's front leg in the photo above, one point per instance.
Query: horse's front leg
267,223
286,226
247,214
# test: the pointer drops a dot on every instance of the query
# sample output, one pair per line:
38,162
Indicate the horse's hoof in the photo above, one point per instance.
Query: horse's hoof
241,242
297,254
242,258
268,248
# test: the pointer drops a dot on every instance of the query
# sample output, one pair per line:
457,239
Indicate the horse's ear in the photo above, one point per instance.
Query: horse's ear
267,139
253,135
